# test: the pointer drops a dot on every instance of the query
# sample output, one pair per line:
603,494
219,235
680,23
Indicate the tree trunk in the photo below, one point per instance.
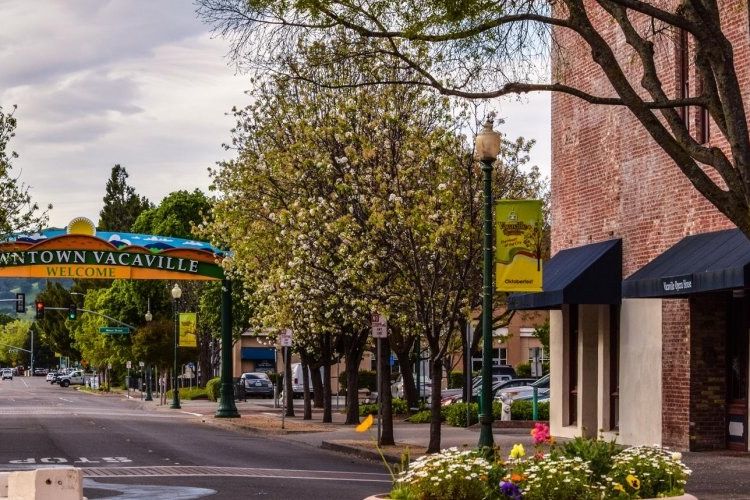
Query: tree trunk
435,422
317,386
352,391
288,390
204,361
407,376
466,356
384,394
327,413
307,415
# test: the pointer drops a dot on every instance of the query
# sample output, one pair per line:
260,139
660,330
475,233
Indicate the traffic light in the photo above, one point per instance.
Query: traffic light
20,302
72,311
39,309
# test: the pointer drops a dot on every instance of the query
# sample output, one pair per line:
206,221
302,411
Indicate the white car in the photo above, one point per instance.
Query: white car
397,388
7,373
51,376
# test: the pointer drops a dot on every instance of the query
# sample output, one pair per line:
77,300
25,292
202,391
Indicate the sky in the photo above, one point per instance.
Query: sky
141,83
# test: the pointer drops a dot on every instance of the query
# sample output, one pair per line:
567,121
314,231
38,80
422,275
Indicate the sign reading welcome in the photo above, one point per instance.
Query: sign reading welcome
84,256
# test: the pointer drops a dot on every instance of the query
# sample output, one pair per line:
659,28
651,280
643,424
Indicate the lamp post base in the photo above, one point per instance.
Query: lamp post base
227,408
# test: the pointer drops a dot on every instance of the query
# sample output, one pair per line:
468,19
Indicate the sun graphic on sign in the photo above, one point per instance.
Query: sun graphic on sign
81,225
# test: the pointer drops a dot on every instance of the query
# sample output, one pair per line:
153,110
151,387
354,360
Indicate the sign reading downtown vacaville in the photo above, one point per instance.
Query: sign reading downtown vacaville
82,253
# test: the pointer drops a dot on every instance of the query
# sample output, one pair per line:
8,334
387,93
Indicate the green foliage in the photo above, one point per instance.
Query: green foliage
400,407
523,370
597,452
17,212
189,393
542,333
456,380
14,333
175,216
213,389
449,474
649,472
558,477
522,410
421,417
122,205
456,415
53,328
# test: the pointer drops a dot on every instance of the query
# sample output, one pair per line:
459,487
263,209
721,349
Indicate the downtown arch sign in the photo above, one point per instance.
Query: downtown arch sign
79,251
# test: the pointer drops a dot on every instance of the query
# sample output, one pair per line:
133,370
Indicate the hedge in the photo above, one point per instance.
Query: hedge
399,408
367,379
521,410
213,387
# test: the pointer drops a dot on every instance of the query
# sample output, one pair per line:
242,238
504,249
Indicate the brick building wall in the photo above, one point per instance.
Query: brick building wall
611,180
675,356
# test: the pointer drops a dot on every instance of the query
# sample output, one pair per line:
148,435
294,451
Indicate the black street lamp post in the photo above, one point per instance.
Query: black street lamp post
487,147
149,396
176,294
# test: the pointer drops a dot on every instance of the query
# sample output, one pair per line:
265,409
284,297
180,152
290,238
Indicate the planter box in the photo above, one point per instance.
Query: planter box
384,496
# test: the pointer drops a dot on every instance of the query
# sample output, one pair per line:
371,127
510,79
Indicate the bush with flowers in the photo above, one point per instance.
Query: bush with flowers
582,469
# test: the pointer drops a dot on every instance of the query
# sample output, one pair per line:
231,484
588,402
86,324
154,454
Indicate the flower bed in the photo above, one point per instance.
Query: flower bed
581,469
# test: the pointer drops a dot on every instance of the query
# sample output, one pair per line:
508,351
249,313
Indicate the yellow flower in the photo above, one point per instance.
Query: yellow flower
618,487
633,481
366,424
517,451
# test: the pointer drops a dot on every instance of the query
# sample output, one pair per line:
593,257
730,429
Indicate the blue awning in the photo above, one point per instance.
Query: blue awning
589,274
700,263
258,353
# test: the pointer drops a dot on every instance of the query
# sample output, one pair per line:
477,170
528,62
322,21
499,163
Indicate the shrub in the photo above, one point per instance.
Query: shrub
522,410
456,380
449,474
598,453
523,370
421,417
648,471
213,387
556,478
455,414
190,393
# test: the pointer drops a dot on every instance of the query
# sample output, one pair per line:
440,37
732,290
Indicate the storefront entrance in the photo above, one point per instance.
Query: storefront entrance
737,372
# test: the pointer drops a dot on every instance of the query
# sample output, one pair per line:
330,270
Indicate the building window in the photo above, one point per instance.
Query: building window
502,356
573,365
537,360
614,368
683,75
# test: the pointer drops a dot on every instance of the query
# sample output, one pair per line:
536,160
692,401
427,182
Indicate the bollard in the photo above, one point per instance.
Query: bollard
535,404
59,483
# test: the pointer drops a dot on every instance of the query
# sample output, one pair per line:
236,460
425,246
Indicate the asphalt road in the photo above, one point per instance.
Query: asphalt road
129,452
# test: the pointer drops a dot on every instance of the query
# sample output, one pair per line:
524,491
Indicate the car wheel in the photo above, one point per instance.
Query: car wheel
65,383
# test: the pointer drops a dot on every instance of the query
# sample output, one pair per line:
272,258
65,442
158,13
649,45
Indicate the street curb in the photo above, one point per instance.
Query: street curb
360,452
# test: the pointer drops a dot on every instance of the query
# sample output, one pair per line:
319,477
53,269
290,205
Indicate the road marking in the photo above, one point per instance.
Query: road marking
139,491
191,413
68,400
24,383
188,470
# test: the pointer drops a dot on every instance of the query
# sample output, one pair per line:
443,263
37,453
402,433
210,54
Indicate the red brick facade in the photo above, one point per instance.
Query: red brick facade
610,179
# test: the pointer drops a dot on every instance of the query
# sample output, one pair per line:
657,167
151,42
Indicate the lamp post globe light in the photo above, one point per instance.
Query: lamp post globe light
486,149
149,396
176,294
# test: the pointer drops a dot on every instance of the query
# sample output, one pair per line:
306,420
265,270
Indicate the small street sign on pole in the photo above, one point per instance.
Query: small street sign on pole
128,365
286,338
114,330
379,326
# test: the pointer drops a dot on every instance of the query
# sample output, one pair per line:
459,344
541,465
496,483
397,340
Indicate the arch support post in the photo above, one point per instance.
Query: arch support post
227,408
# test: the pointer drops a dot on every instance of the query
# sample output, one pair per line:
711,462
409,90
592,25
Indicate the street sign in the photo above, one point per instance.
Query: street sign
141,364
286,338
379,326
128,365
114,329
109,366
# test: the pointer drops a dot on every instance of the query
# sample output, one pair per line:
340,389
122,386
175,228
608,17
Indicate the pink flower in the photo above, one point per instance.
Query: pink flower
540,433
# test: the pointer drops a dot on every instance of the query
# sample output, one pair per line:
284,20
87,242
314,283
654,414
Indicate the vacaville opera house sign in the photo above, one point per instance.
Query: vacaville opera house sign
81,253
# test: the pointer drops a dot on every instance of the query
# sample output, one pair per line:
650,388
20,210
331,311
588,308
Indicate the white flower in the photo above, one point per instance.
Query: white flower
676,456
342,160
442,186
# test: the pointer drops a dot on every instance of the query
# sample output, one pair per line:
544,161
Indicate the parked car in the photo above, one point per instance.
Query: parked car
526,392
456,395
6,373
73,378
257,384
51,376
40,371
397,388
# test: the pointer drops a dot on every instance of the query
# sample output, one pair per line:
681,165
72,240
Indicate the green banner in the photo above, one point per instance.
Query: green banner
518,245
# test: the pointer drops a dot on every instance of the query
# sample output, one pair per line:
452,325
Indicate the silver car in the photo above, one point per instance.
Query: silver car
7,373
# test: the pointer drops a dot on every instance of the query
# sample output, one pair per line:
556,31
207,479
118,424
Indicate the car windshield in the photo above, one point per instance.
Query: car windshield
257,376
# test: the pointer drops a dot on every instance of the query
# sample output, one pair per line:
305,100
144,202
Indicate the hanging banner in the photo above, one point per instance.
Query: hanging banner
518,245
188,328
